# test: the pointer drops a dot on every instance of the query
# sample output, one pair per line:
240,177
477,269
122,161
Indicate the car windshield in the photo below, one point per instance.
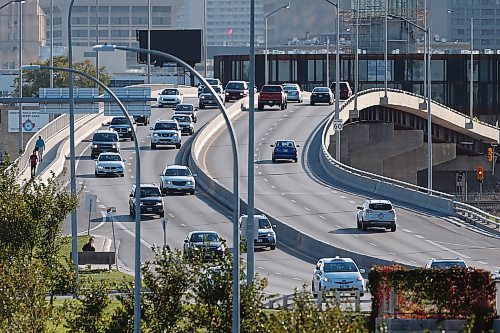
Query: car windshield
320,90
170,92
105,157
290,88
447,264
165,126
264,224
207,91
341,266
204,237
285,144
119,121
182,119
271,89
184,107
343,86
213,82
150,192
105,137
380,206
177,172
235,85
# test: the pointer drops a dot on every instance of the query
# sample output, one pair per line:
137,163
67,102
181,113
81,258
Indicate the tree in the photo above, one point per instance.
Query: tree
33,80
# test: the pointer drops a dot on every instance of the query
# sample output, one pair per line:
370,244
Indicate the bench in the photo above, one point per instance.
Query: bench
96,258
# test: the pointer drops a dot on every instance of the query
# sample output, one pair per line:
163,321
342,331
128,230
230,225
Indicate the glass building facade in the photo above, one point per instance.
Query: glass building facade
450,74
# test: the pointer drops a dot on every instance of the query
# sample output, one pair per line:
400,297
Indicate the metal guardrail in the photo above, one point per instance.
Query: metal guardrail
460,208
337,297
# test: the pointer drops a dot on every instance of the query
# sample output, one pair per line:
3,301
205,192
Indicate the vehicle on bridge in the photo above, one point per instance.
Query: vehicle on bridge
293,92
446,263
206,98
206,244
104,141
166,132
151,200
122,127
185,122
170,97
321,95
211,81
340,274
108,164
345,90
236,90
266,236
376,213
187,109
272,95
177,178
285,150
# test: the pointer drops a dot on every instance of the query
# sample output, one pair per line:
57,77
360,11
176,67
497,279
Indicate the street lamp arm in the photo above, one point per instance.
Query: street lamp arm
12,1
407,21
336,5
288,5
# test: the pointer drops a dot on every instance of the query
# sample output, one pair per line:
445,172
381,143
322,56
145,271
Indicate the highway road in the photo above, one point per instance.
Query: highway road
300,195
284,268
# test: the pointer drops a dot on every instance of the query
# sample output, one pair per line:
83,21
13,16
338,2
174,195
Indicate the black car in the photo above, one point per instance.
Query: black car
206,244
104,141
236,90
142,119
345,89
121,126
151,200
206,98
321,95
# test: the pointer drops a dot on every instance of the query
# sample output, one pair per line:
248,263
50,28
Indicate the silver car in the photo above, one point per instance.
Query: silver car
109,164
177,178
376,213
293,92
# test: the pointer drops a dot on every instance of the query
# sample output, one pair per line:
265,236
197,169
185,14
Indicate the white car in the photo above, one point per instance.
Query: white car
446,263
376,213
185,122
266,236
177,178
186,109
337,274
170,97
211,81
293,92
109,164
166,132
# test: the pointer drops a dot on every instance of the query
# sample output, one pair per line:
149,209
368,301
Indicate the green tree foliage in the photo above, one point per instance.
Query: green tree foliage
33,80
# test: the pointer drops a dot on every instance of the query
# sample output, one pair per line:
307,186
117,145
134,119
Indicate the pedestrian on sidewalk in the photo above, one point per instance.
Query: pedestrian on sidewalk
33,162
40,146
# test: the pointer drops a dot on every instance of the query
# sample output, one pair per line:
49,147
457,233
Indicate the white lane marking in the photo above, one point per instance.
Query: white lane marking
96,227
260,143
171,215
266,180
129,170
280,119
278,273
143,141
392,253
293,201
374,244
335,192
131,157
338,226
306,208
260,267
255,155
260,173
357,236
124,228
256,167
408,231
272,186
420,236
80,183
352,201
256,148
78,162
283,194
413,261
102,206
183,225
132,177
343,196
296,278
128,163
267,133
322,217
461,255
275,124
481,262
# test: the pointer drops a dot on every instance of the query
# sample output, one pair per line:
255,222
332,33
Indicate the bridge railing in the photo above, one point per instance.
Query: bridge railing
389,187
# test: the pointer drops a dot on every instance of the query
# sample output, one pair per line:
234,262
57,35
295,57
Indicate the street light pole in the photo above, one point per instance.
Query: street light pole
327,62
470,124
96,41
385,100
205,36
355,112
21,139
266,65
149,41
72,162
236,193
52,43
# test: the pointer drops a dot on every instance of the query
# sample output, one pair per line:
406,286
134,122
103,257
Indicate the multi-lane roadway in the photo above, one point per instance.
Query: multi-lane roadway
296,193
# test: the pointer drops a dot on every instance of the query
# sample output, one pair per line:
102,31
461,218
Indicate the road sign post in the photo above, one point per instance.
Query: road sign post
337,125
110,212
90,206
164,223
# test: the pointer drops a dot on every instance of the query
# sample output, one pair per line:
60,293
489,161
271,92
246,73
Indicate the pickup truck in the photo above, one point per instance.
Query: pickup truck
272,95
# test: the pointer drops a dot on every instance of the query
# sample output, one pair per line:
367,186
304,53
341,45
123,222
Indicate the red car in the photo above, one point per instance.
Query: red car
272,95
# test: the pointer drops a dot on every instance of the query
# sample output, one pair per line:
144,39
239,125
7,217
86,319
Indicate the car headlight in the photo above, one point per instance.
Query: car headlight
189,182
113,145
202,97
220,248
94,146
175,134
270,234
141,204
227,94
129,129
159,203
241,93
360,278
156,134
100,167
169,182
325,279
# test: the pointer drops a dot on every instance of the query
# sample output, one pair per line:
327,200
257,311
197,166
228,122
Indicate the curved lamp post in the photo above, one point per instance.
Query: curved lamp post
125,113
236,194
266,65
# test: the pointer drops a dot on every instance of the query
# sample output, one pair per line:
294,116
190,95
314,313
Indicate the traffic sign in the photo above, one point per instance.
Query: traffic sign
136,108
337,124
58,93
90,203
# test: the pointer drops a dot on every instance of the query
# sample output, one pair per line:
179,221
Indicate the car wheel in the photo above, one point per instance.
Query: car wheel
274,160
315,294
357,224
96,174
131,211
191,192
153,146
260,107
295,159
201,106
122,175
311,103
393,228
160,106
330,103
364,226
178,146
273,247
131,137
